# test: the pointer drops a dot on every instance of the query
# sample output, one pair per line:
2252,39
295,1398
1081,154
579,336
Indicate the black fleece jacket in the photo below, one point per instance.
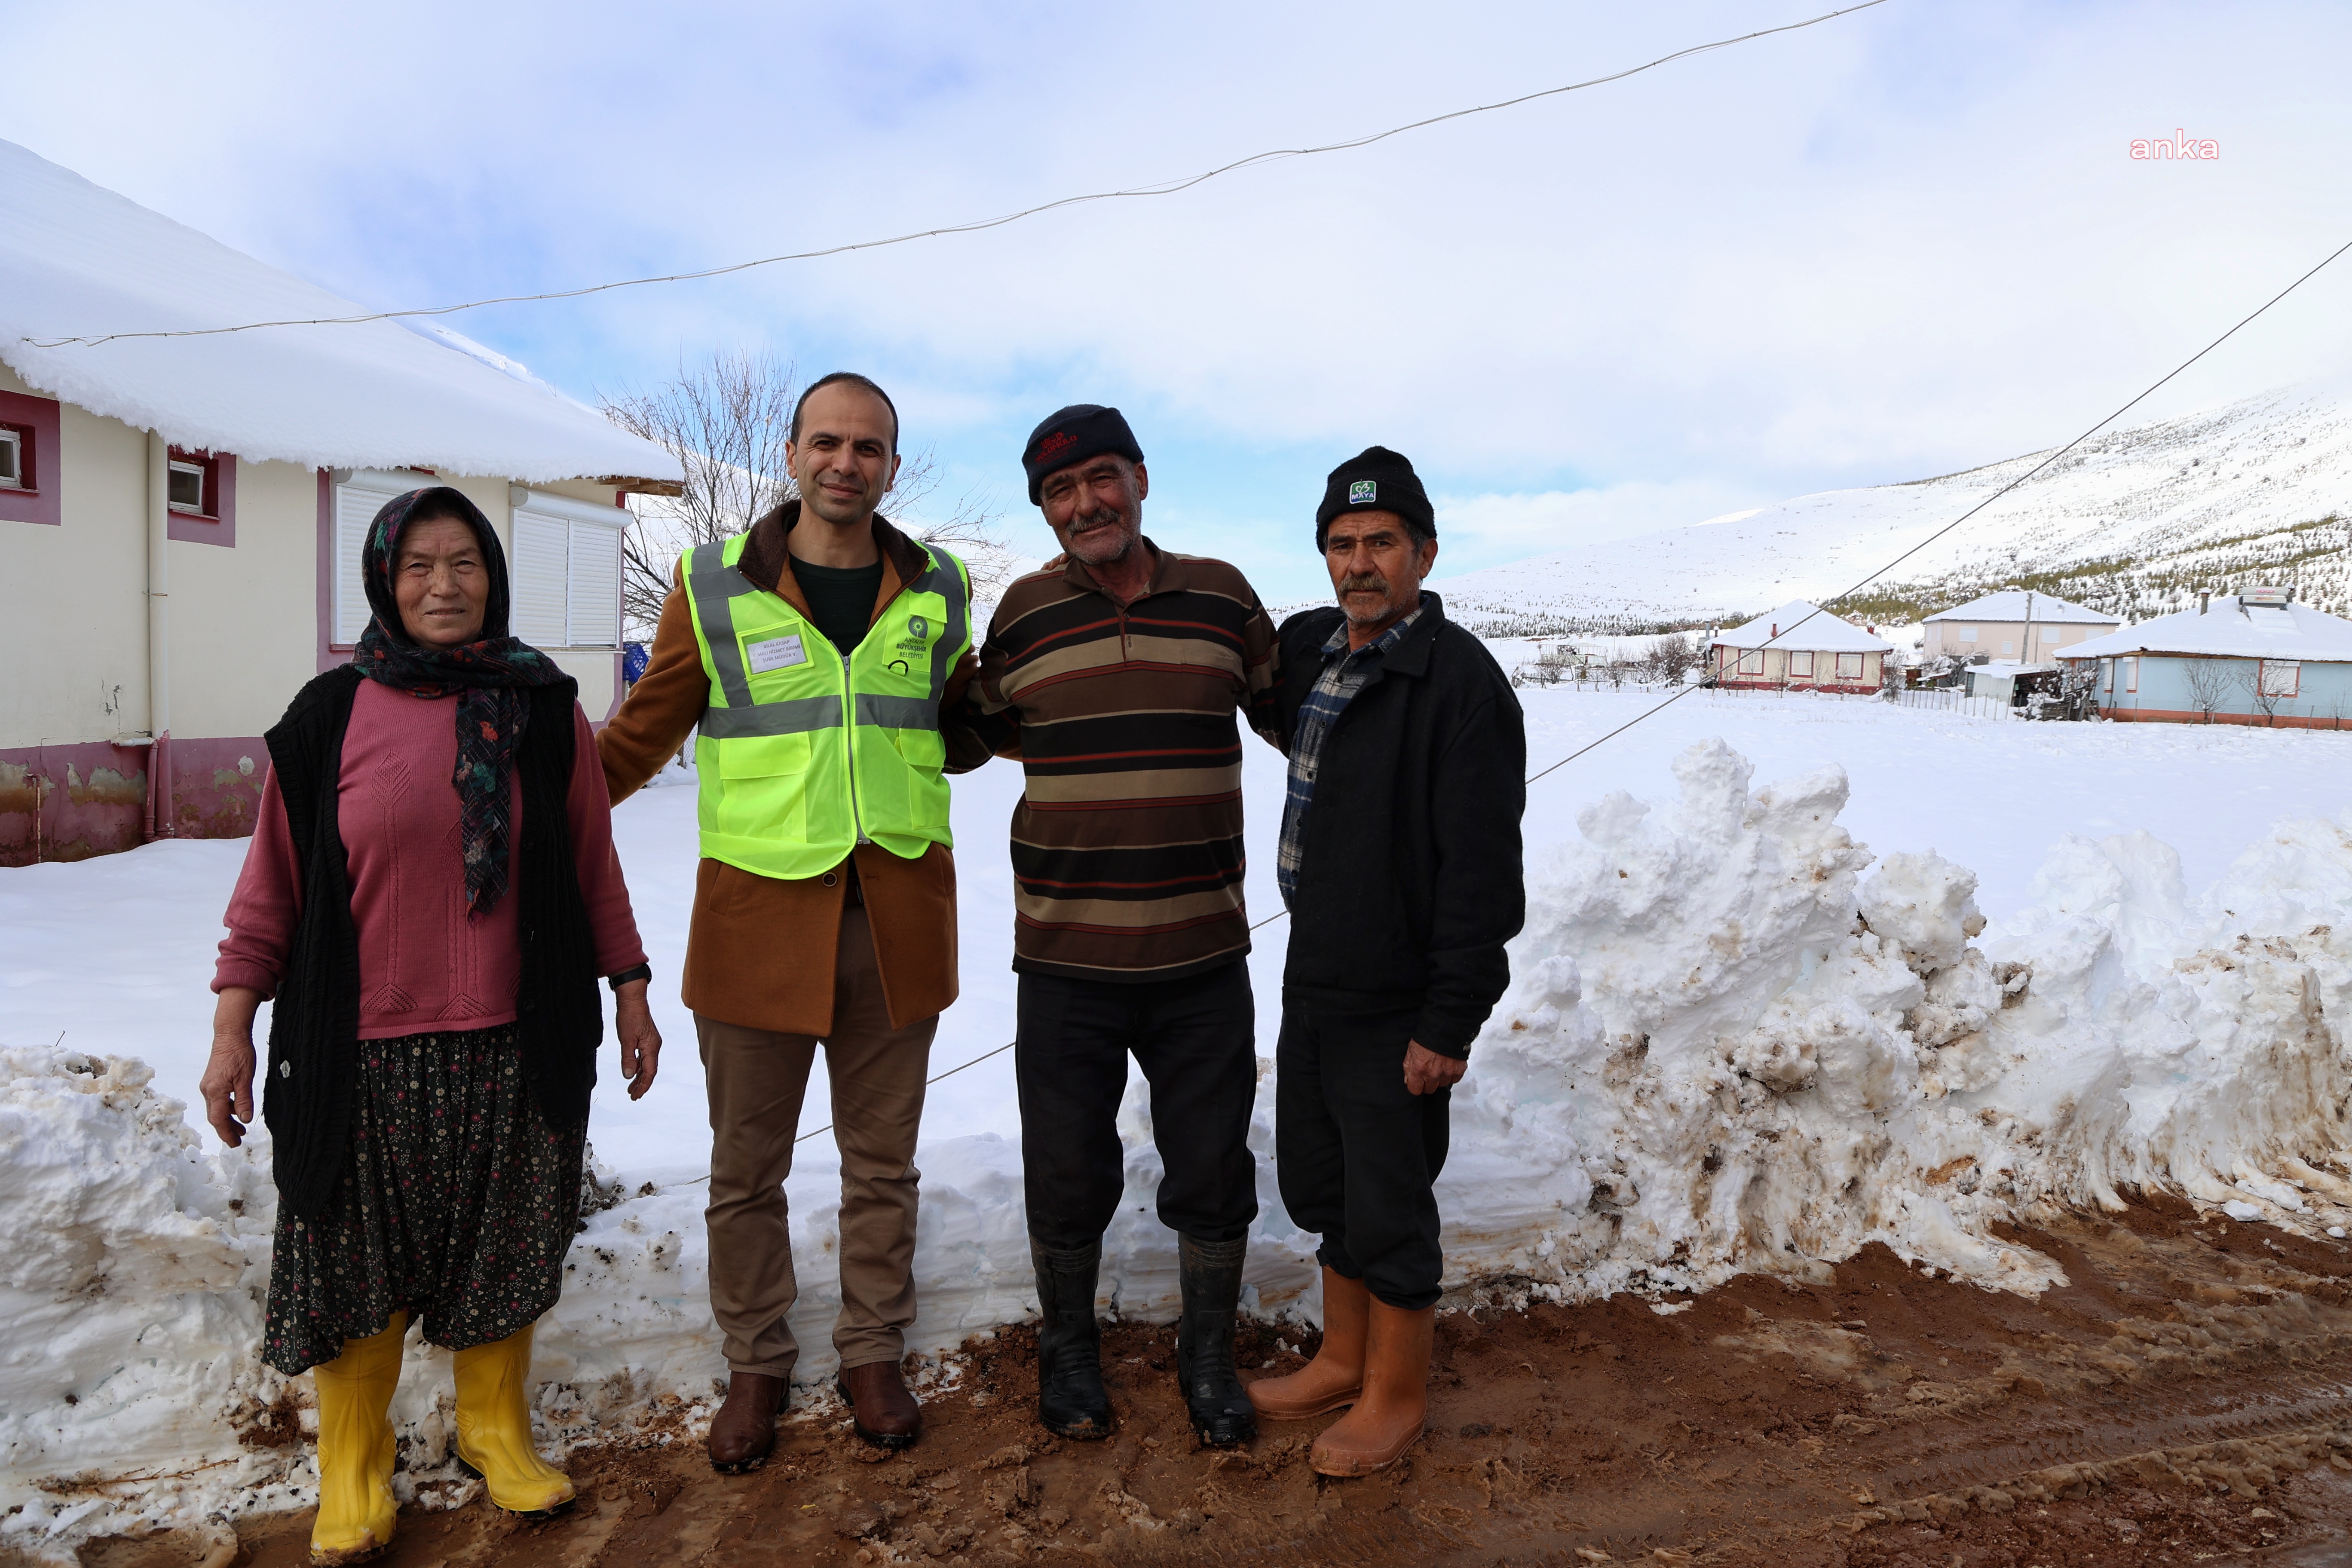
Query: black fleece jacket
1410,878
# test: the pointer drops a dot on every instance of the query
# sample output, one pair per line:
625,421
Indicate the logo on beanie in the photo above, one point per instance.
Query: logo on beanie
1363,492
1058,441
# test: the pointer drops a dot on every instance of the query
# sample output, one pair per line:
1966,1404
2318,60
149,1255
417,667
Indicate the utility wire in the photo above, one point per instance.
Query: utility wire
1163,188
1891,566
1822,608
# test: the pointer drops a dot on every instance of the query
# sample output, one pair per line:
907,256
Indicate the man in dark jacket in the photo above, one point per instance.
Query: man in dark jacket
1400,864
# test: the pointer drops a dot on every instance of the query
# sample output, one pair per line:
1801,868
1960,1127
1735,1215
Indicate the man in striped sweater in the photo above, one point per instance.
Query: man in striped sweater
1115,676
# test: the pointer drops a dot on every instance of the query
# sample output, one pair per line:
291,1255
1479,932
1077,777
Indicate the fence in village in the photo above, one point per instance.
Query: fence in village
1957,703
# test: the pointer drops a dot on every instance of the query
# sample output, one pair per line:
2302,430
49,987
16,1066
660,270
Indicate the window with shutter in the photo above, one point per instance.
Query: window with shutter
543,578
595,609
357,501
567,569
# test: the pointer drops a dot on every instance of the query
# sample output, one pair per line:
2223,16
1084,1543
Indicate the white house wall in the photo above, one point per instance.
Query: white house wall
249,621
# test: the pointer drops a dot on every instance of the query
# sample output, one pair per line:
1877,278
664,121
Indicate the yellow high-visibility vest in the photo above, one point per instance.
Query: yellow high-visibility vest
807,750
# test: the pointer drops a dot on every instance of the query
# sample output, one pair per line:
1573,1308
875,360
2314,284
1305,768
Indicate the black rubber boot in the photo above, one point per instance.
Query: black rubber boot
1221,1409
1070,1398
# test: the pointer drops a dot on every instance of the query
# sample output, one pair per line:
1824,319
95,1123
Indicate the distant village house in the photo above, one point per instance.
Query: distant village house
1799,648
2016,624
2257,658
181,517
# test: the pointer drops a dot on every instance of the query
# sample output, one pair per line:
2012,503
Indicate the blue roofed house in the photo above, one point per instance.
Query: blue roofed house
2255,658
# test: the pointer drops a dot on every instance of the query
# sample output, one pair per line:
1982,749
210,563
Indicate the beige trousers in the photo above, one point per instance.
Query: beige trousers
756,1079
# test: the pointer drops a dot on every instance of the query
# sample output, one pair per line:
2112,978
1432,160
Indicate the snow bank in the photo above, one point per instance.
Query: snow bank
1731,1045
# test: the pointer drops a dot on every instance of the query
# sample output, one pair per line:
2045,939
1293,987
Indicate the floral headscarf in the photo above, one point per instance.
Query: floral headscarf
491,676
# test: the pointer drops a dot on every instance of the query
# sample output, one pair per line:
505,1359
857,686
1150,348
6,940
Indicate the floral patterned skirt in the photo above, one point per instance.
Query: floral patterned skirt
457,1203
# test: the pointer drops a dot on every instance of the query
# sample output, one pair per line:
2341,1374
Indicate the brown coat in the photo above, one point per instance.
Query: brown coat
759,949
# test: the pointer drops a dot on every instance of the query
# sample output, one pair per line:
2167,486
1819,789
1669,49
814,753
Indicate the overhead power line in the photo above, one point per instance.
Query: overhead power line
1163,188
1823,607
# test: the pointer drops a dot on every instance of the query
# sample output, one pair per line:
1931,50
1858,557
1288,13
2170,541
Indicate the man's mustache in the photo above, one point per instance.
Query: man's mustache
1363,582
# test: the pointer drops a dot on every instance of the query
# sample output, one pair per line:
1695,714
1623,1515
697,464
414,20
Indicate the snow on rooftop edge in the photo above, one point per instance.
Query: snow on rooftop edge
77,260
2233,630
1825,633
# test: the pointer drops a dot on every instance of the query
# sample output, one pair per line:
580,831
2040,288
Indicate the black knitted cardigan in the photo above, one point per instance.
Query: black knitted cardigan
314,1022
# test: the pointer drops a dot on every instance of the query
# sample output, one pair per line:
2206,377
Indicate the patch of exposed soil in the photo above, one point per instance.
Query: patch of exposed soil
2182,1400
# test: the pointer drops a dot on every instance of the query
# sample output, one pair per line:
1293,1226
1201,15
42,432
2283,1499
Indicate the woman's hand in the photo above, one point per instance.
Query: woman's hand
228,1083
1426,1072
633,1021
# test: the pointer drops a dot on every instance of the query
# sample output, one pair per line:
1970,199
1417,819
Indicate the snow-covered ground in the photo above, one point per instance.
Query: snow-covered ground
1733,1042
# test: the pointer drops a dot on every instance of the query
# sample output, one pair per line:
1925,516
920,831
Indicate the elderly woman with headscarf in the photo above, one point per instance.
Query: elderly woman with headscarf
430,896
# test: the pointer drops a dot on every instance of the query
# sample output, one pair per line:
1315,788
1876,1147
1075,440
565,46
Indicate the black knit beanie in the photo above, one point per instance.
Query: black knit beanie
1375,479
1073,435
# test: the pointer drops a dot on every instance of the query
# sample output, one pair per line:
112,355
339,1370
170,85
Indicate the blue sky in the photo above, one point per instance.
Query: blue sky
1903,242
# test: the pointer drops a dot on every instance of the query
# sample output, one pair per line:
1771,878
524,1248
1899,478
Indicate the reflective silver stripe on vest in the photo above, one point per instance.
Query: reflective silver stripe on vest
795,716
947,581
711,582
898,712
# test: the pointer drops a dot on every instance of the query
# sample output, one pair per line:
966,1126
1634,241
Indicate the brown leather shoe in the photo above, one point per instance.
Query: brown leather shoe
1394,1408
1336,1376
743,1432
881,1409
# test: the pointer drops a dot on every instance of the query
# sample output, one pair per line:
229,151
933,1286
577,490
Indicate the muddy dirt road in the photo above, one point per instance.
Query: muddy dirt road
2186,1399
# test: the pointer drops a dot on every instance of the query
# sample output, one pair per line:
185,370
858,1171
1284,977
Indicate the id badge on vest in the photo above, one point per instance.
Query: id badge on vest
775,653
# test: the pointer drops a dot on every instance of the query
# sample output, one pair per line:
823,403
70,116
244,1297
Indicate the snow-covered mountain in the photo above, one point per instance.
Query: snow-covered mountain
2134,522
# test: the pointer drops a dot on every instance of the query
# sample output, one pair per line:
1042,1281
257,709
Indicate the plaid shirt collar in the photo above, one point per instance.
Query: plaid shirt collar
1337,641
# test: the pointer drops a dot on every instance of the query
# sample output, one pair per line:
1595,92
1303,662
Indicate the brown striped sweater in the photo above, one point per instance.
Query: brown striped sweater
1127,843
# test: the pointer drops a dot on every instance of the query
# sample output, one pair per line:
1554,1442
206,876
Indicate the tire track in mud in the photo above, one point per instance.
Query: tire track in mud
2225,1415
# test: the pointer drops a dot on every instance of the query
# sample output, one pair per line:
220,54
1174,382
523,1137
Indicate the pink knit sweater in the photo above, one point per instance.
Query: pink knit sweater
424,966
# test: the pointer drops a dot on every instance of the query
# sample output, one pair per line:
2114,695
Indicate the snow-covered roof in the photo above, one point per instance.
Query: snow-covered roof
2009,604
1825,633
2230,629
81,261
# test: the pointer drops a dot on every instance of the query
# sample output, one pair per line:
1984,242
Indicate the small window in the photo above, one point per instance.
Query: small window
12,458
184,490
2008,649
1802,664
2282,677
200,493
2107,674
1751,661
2131,674
1849,667
1968,633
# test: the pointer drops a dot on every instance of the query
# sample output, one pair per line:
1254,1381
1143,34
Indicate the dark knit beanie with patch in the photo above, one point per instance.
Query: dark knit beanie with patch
1073,435
1376,480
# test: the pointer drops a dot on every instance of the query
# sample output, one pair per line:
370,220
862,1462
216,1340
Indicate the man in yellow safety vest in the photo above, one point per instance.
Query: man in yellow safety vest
811,655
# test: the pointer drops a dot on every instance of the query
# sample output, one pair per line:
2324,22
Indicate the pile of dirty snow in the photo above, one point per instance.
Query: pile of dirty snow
1732,1044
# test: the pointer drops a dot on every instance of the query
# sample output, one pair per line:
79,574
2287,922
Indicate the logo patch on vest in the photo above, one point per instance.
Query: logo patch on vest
776,653
918,627
1363,492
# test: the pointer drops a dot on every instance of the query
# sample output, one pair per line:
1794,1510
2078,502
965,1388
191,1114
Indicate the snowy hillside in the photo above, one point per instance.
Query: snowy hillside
2134,522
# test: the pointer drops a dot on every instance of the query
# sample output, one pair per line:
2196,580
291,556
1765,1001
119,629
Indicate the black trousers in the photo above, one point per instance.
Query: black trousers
1195,1039
1357,1152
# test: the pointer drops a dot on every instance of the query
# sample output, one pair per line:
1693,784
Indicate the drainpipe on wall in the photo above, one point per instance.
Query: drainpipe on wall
159,637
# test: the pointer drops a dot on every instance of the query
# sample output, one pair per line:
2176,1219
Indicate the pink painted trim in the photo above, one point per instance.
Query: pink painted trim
220,528
2256,720
44,504
328,657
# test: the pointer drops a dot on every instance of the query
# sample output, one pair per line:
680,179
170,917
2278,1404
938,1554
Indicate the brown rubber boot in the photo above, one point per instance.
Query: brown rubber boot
743,1432
1394,1406
1335,1375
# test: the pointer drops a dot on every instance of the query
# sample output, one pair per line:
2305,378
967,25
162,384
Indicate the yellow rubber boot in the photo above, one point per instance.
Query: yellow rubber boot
356,1510
494,1428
